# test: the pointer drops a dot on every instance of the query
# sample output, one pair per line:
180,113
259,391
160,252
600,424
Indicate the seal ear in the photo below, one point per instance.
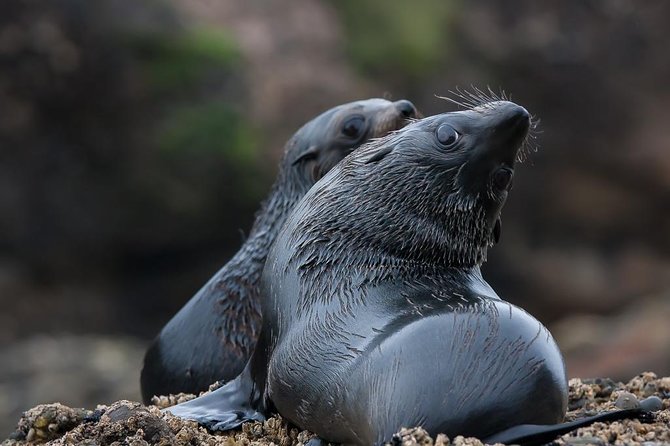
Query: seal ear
496,230
311,153
379,155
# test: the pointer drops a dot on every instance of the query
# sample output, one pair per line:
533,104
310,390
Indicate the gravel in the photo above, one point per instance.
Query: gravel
130,423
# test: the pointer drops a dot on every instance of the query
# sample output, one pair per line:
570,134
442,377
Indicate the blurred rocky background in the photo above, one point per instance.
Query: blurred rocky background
138,137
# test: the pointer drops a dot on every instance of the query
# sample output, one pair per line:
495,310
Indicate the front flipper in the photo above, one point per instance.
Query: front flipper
536,434
226,408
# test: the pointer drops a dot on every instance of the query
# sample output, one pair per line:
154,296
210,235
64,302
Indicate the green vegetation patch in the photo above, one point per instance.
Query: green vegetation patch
209,128
172,60
409,37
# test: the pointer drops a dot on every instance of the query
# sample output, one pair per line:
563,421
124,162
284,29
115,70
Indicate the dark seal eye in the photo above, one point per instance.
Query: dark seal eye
502,178
446,135
353,127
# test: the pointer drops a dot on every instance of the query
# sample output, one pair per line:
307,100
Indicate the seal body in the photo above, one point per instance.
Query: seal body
213,335
376,316
447,355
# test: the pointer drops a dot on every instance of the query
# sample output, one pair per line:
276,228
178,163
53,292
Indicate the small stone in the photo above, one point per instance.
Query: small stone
256,430
441,440
627,400
41,422
652,404
649,389
304,436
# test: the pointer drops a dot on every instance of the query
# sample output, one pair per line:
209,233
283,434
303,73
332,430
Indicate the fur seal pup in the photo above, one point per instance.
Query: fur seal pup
376,314
213,335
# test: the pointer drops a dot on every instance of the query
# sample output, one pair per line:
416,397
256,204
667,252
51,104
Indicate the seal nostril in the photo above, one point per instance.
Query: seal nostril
520,114
523,113
406,108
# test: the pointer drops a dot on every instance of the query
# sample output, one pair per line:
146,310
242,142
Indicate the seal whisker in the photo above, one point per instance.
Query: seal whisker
474,97
463,104
530,143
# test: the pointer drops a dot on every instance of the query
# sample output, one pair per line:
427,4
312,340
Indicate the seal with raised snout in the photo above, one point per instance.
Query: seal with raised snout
213,335
376,314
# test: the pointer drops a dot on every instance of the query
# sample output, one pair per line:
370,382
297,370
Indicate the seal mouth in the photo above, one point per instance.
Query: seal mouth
502,179
497,135
403,113
510,123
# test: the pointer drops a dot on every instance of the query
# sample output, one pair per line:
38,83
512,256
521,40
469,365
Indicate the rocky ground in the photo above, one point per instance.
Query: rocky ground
130,423
78,371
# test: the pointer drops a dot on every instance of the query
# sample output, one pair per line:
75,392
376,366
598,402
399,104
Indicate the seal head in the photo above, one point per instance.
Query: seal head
431,193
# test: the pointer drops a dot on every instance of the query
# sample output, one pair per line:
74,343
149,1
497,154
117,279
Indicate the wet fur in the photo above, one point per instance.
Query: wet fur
393,237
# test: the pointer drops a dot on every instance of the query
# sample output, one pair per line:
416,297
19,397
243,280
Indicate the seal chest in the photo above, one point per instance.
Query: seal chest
377,316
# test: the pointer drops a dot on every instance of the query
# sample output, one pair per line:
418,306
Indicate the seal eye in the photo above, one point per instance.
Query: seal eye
446,135
502,178
353,127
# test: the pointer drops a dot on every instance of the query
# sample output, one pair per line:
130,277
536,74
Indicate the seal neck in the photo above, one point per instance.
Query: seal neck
275,209
453,234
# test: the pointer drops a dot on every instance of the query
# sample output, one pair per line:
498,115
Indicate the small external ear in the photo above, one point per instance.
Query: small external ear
496,230
379,155
309,154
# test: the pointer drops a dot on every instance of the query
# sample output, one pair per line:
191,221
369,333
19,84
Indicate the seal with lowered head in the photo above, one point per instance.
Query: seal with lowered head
213,335
376,314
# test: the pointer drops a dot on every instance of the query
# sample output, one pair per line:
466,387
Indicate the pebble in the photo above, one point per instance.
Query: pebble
627,400
652,404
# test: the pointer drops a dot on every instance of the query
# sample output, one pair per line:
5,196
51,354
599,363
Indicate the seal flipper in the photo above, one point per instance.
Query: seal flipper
225,408
537,434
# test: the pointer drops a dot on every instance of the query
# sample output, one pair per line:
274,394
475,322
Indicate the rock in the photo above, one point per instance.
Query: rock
627,400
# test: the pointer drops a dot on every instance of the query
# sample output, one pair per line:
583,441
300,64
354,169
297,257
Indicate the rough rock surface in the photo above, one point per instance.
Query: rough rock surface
130,423
78,371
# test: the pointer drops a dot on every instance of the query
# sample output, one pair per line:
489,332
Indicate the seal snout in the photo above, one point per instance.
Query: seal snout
510,116
513,124
510,124
406,109
517,117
